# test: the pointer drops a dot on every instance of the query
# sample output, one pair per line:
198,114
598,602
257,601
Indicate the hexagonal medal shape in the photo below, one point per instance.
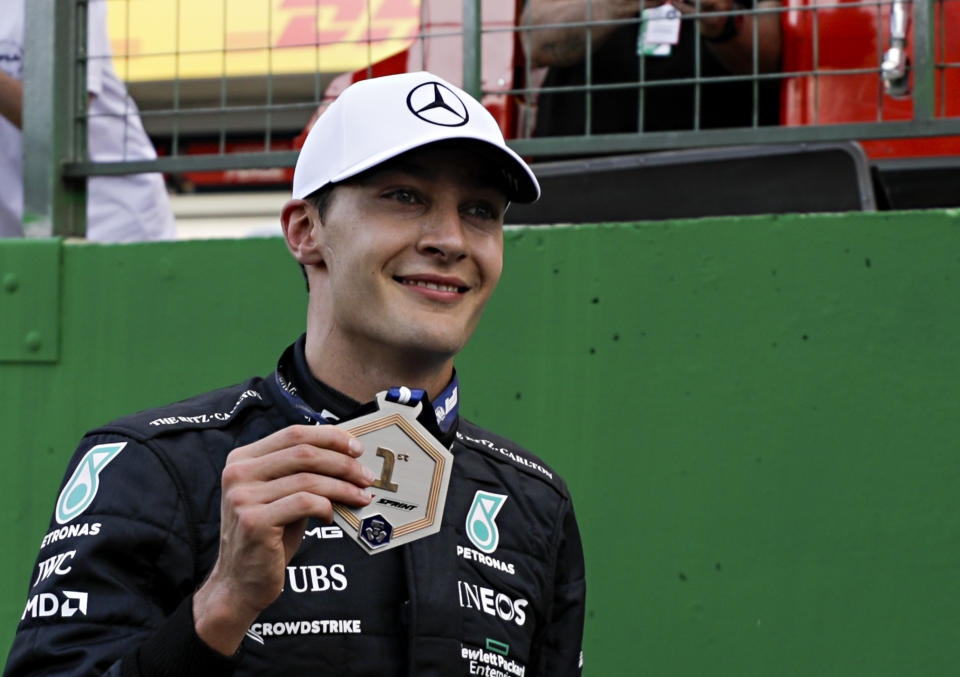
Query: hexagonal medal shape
413,473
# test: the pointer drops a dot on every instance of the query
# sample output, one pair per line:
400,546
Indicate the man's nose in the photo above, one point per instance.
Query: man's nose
442,233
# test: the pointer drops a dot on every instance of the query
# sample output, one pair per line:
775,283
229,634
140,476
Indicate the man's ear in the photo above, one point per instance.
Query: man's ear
301,229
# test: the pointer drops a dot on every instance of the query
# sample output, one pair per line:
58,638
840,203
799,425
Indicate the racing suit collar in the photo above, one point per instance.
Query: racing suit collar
327,404
315,392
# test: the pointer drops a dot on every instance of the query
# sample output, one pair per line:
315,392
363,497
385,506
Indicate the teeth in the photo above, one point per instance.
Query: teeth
430,285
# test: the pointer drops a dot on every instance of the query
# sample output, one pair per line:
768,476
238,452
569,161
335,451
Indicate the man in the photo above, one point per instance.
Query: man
208,548
719,45
119,208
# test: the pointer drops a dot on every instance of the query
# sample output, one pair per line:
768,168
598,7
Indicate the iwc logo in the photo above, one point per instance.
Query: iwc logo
481,520
437,104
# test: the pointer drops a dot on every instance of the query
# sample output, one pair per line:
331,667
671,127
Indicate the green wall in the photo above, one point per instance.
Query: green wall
757,417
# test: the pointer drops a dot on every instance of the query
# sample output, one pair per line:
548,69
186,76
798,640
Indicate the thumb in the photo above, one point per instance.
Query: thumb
292,538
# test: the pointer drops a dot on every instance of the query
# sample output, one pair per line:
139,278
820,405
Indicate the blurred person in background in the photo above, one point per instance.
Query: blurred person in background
725,48
119,208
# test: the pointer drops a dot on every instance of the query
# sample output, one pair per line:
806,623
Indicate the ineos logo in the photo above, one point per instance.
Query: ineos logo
437,104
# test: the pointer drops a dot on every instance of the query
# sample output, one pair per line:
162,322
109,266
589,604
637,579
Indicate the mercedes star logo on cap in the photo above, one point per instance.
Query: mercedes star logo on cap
437,104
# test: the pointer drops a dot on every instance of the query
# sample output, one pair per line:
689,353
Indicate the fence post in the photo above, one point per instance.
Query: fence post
472,30
924,76
54,92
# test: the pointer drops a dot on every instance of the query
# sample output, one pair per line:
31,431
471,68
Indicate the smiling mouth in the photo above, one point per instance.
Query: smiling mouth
436,286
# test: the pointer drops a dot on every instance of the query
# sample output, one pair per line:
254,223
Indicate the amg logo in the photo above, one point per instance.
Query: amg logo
47,604
397,504
324,532
54,565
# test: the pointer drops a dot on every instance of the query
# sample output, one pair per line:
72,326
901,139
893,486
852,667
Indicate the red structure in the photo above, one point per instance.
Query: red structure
826,36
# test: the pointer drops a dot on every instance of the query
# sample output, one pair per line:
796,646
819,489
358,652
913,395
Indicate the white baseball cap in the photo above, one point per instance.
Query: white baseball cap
377,119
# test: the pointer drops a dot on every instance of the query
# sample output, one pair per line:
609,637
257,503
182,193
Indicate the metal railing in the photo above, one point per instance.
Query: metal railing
55,109
928,75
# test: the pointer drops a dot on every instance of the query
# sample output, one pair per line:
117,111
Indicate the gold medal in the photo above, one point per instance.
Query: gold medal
413,470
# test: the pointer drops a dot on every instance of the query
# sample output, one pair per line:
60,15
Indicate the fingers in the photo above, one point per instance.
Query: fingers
269,489
296,472
321,436
294,507
310,484
302,458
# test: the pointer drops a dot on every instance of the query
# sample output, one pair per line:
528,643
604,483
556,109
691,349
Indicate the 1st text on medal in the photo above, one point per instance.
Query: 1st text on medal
386,472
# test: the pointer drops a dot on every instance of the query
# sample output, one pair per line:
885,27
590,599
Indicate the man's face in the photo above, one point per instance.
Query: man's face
412,251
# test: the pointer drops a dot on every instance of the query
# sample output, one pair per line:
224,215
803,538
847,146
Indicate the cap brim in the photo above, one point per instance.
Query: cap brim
520,183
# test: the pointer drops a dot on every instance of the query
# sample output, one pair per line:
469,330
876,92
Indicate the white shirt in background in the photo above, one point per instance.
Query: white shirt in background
124,208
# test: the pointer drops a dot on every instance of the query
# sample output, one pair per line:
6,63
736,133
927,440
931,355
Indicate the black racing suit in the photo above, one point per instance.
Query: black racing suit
136,531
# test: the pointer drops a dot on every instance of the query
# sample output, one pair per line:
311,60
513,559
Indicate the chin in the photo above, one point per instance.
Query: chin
433,333
441,348
441,345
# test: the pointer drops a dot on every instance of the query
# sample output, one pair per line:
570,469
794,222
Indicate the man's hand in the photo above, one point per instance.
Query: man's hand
270,488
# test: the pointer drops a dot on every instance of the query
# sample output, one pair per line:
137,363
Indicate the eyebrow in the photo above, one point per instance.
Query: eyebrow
486,179
419,170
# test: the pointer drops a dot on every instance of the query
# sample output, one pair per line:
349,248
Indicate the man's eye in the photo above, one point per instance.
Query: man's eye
482,211
404,196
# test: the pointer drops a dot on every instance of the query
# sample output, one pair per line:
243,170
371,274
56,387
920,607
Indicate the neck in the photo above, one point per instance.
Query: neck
361,371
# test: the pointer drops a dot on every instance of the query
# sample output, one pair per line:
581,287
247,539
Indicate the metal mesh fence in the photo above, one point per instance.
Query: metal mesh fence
227,86
881,69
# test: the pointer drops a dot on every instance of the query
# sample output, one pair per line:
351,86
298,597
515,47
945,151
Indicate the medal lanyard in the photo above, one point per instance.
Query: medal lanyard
290,393
445,406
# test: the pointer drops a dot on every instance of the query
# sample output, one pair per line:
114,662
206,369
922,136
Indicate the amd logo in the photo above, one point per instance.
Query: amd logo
48,604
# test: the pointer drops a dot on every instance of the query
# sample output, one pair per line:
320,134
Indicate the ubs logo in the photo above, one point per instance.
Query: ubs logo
317,578
437,104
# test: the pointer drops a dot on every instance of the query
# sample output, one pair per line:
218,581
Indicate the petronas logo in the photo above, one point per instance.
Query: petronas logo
481,520
80,491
